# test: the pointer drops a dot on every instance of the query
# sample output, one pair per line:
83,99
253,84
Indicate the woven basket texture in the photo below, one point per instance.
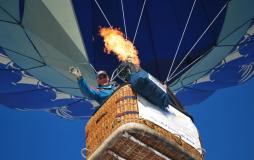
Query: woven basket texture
122,108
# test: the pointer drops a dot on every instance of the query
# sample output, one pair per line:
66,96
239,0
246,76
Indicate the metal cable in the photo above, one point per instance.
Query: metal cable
198,39
125,28
180,42
139,21
185,68
103,13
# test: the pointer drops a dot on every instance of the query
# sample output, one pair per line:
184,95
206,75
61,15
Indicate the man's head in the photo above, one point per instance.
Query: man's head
102,78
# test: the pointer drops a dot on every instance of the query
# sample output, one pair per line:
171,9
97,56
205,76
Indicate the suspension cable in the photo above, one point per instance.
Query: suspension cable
199,39
103,13
125,28
180,42
95,71
185,68
139,21
113,76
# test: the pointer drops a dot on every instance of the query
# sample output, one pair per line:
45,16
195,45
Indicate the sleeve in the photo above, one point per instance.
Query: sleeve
86,90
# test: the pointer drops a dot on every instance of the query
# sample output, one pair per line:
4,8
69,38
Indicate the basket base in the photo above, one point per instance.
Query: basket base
133,141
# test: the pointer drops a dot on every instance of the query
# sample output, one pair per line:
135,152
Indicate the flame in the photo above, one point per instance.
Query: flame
116,43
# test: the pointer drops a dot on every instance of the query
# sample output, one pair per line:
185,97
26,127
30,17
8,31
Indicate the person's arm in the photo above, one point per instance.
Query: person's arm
86,90
84,87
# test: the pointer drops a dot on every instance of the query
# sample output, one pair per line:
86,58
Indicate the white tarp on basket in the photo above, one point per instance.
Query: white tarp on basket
173,121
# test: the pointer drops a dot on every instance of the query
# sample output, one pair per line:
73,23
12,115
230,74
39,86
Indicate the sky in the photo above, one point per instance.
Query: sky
225,122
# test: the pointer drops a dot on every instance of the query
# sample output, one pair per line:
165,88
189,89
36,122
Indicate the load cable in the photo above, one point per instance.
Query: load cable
103,13
180,42
201,36
134,38
125,28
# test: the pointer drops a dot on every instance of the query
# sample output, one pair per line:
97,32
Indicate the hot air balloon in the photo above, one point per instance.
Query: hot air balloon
195,47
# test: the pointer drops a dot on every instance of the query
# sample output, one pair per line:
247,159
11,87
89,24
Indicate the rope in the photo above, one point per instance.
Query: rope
203,151
199,39
82,152
180,42
125,28
103,13
139,21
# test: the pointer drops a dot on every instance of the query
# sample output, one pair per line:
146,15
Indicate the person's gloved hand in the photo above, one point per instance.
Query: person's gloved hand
133,67
75,71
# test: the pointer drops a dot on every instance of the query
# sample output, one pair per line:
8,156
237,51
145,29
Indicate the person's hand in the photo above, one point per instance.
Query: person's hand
129,59
133,67
75,71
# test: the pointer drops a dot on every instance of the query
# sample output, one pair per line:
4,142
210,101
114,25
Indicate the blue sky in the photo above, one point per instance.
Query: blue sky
225,122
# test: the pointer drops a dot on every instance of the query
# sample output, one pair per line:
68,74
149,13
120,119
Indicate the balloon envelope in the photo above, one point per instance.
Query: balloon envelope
41,39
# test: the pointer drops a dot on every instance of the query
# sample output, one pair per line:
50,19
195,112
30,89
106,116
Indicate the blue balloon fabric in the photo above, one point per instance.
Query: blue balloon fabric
21,91
235,69
226,49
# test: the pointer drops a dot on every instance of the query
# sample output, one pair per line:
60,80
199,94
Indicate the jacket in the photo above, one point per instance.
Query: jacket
148,89
100,94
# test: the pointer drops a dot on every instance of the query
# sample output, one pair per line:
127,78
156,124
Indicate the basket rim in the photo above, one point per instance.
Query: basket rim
119,87
127,83
127,127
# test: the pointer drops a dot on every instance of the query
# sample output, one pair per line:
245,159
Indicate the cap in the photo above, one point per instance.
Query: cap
101,73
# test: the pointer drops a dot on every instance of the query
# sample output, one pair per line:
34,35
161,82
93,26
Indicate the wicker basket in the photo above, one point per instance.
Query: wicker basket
116,132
